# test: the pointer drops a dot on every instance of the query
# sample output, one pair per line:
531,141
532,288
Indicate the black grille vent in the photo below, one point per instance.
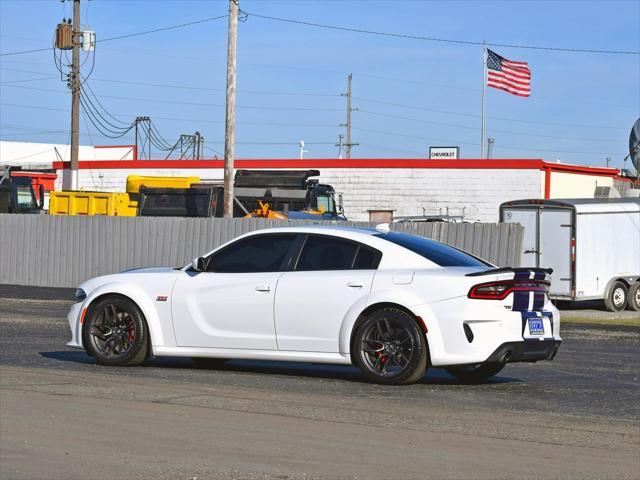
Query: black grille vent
468,332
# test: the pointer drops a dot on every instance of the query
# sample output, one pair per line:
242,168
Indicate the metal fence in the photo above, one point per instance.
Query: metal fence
62,251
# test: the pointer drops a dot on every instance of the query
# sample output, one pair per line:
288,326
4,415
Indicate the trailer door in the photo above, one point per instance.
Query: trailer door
555,248
529,220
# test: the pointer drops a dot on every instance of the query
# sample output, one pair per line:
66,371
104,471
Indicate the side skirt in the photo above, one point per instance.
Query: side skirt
313,357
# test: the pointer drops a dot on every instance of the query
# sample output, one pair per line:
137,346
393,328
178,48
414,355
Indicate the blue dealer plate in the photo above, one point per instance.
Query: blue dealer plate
536,327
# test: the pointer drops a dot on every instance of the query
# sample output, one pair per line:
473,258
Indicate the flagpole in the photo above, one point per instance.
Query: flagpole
484,87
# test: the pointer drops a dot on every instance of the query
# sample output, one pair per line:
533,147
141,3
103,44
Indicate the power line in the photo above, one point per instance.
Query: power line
508,132
397,134
128,35
197,104
192,120
474,115
184,87
28,80
25,51
162,29
442,40
43,132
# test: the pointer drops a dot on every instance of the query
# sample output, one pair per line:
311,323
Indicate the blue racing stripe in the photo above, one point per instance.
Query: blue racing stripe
520,301
538,301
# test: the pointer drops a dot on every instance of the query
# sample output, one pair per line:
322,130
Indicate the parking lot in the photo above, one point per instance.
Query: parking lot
64,417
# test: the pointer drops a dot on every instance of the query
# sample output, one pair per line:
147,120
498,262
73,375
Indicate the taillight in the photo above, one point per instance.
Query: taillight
500,290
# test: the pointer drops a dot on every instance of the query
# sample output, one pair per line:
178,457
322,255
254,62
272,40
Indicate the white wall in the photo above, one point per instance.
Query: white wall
574,185
477,193
43,155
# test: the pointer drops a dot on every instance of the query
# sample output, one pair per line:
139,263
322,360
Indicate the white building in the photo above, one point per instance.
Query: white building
371,188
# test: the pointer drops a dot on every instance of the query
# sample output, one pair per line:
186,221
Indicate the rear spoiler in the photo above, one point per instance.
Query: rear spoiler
494,271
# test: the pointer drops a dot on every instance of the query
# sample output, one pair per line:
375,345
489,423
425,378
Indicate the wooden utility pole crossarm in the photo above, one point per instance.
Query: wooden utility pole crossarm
230,119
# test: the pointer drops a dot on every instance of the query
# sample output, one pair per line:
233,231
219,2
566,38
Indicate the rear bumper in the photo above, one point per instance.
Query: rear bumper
526,351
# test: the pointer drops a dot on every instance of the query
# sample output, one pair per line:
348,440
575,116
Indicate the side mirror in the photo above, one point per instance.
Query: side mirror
199,264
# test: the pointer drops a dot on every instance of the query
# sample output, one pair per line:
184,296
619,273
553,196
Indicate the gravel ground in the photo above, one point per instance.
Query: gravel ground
64,417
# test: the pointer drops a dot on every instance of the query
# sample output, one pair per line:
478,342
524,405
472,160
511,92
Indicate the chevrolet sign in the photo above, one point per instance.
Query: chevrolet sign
436,153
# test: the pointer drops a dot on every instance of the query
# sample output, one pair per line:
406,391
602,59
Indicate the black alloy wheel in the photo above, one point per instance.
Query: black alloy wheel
390,348
115,332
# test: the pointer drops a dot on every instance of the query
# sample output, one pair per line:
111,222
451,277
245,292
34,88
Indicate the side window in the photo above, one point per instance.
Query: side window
367,259
326,253
259,253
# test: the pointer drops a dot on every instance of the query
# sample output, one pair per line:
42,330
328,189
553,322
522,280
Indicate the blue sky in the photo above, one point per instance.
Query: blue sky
411,93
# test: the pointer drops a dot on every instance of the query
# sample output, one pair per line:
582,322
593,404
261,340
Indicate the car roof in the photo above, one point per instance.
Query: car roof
334,230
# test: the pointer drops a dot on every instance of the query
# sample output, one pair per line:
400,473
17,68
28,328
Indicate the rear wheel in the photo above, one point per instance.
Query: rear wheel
616,301
475,373
633,303
115,332
389,348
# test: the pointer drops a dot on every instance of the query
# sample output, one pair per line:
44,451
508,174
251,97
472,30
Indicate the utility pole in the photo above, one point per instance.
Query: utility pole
348,143
75,94
230,118
608,161
339,145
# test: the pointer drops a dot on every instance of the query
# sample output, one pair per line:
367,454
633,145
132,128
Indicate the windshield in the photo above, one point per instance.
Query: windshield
439,253
24,197
326,203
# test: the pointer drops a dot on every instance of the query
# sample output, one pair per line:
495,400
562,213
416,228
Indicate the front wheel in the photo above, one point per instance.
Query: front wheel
475,373
115,332
389,348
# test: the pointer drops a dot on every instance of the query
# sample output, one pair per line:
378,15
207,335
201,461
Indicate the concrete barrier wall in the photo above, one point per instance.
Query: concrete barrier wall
60,251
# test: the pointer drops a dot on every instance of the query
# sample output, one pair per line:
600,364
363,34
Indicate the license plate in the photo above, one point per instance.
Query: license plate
536,327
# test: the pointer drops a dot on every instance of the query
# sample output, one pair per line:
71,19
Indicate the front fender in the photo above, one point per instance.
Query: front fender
160,330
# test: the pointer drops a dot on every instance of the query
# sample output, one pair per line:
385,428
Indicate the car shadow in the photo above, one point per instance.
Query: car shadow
435,376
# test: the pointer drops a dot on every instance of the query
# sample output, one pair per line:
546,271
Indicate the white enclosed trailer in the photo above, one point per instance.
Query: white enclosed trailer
592,245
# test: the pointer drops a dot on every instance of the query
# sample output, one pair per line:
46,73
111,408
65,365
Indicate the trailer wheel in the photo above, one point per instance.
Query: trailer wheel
633,303
616,301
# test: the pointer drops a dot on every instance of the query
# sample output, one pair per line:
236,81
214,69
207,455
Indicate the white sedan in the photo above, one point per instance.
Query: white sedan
393,304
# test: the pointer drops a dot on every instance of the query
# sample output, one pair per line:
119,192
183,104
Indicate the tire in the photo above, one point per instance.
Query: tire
475,373
115,332
616,301
389,348
633,300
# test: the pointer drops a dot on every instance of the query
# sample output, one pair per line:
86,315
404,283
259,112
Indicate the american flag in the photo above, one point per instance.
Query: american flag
512,77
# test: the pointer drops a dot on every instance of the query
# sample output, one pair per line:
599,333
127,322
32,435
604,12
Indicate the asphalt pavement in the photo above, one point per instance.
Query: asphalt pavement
62,416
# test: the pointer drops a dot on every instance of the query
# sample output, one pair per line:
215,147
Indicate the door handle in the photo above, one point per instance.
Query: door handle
263,288
531,251
354,284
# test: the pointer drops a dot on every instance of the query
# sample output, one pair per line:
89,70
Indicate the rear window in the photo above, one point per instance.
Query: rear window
327,253
437,252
